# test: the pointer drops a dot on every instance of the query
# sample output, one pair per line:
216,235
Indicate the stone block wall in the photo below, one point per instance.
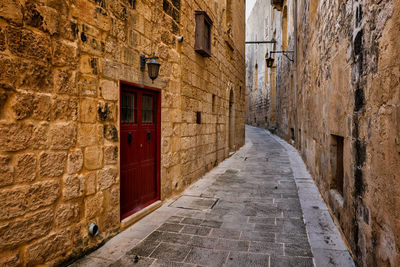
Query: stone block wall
347,89
62,62
263,95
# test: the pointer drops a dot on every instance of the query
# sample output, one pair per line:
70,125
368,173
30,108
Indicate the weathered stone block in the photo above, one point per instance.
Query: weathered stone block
65,82
14,137
111,69
25,169
10,259
4,96
88,110
42,17
6,171
15,233
65,55
90,134
48,248
89,65
115,193
75,161
109,90
42,194
87,85
41,107
2,40
110,133
52,163
90,183
26,104
73,186
67,214
106,111
34,76
40,135
111,155
119,10
12,202
23,105
93,158
106,178
65,109
27,44
94,205
118,30
110,219
8,74
11,10
62,135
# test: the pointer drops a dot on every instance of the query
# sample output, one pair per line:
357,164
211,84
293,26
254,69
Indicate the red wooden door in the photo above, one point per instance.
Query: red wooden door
139,148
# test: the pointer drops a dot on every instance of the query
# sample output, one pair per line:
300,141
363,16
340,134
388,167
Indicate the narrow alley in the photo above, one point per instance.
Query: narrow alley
248,211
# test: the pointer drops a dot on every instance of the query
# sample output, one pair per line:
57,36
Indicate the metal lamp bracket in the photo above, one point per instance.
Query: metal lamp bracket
143,60
285,53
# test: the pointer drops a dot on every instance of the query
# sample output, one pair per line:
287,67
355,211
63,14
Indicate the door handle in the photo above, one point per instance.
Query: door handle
129,138
148,136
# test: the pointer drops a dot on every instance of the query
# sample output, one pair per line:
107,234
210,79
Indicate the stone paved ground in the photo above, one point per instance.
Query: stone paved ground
245,212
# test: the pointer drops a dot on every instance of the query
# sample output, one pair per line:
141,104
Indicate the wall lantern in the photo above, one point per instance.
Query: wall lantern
270,60
153,67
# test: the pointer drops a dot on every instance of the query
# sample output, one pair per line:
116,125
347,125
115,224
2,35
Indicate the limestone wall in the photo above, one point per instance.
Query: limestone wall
265,24
61,64
348,89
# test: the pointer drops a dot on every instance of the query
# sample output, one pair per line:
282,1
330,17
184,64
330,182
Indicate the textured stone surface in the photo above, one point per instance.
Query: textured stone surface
6,171
28,44
66,214
73,186
11,10
42,194
14,233
75,161
93,158
10,259
90,183
48,248
25,169
62,136
106,178
111,154
109,90
52,164
15,137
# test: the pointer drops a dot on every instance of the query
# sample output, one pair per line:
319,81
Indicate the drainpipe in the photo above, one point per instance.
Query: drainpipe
296,134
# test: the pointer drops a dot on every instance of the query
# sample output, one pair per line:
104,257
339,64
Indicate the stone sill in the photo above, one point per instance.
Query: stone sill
125,223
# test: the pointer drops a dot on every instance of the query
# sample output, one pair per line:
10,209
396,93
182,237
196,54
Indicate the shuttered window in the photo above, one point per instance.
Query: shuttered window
203,34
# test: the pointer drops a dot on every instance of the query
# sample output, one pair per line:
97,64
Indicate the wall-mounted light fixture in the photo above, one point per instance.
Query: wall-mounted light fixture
270,60
153,67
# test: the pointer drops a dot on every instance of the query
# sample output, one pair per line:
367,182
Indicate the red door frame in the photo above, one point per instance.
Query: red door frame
158,139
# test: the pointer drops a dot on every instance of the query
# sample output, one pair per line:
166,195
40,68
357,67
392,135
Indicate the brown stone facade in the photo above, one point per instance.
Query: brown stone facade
62,62
341,109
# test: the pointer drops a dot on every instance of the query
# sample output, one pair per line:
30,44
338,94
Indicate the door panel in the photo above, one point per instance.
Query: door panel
139,148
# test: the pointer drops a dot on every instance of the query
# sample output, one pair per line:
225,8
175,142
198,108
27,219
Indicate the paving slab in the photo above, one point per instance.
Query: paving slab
260,207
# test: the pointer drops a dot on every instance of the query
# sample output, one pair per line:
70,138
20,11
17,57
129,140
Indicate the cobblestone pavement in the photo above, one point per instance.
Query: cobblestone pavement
245,212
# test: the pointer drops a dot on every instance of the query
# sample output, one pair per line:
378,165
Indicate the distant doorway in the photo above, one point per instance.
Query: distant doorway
231,125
